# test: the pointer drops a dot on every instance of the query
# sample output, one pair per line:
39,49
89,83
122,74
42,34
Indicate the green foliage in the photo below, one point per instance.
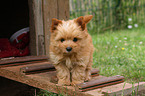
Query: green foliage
109,14
46,93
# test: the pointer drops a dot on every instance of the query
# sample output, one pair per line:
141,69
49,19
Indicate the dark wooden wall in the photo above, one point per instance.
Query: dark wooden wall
41,14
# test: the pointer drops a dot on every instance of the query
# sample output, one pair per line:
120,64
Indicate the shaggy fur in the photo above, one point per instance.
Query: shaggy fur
73,66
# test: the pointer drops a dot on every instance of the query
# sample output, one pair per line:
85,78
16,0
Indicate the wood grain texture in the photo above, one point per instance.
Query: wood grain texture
63,9
44,66
41,14
100,81
50,10
102,85
36,28
23,59
39,27
53,9
40,80
33,34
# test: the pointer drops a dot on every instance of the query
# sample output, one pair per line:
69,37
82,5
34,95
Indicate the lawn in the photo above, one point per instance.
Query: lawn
121,53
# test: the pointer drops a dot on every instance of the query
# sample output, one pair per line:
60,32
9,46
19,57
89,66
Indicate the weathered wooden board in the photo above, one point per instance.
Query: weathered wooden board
50,10
53,9
36,26
41,13
121,89
98,83
63,9
39,27
22,60
46,80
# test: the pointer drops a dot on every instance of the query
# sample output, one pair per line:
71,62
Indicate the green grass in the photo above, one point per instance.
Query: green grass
121,53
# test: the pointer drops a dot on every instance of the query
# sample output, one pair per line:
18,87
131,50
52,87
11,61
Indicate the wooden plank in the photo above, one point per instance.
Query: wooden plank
21,63
33,34
41,48
46,81
23,60
63,9
123,89
92,84
50,10
36,28
39,27
101,85
43,67
94,72
37,68
53,9
43,81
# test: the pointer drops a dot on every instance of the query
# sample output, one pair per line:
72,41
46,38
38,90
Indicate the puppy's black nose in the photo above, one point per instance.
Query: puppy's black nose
68,49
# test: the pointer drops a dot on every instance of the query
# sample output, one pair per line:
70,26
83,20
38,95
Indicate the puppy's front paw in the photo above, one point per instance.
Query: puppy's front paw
62,83
88,78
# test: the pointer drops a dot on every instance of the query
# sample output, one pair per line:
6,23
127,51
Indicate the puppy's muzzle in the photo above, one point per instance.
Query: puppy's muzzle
68,49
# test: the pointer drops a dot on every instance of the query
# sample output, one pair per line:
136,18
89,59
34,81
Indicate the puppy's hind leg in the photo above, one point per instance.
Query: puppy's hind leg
63,74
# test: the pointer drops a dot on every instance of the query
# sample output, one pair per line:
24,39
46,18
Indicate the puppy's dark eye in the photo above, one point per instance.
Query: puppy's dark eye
62,40
75,39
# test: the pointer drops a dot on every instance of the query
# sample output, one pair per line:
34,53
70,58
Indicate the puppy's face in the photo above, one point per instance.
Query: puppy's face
69,37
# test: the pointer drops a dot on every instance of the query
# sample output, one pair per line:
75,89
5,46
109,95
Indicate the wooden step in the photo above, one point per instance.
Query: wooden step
5,62
102,82
48,81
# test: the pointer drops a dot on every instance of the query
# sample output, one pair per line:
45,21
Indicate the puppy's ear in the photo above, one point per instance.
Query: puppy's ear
55,23
87,18
82,21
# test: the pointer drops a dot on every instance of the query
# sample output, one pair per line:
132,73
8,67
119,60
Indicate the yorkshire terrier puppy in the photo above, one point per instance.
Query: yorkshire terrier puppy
71,50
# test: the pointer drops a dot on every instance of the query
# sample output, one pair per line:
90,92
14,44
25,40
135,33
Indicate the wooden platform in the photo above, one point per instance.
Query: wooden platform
48,81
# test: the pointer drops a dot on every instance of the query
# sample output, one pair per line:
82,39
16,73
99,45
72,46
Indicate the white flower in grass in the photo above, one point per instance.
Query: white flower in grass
140,42
129,19
135,25
119,40
129,26
116,46
125,38
133,45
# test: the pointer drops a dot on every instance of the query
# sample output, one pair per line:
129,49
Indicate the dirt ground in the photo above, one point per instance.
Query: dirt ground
13,88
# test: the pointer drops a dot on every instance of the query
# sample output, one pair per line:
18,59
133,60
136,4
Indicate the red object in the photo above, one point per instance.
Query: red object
23,41
7,49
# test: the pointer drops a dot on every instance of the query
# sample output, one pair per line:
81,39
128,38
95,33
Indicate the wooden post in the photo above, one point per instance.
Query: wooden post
63,9
53,9
50,10
36,28
41,14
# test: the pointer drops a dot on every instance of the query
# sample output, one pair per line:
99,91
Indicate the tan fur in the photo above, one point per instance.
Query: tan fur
72,67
